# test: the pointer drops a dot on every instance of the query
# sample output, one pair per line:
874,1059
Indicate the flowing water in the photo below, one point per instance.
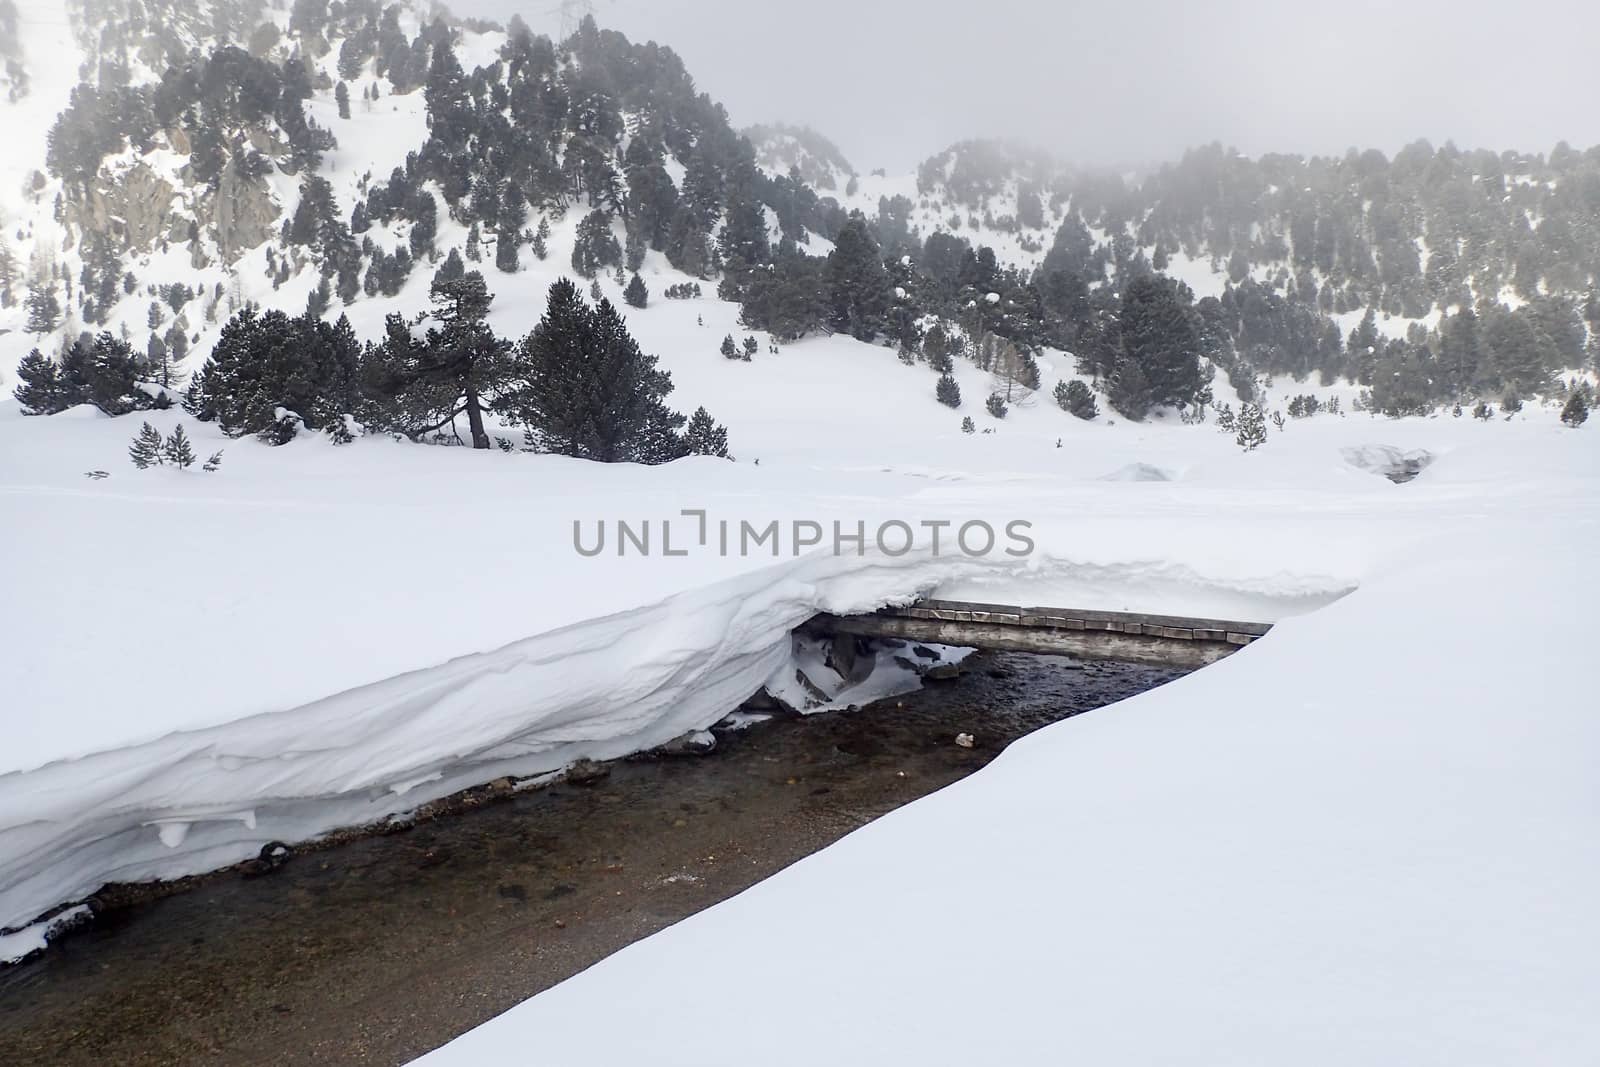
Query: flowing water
379,948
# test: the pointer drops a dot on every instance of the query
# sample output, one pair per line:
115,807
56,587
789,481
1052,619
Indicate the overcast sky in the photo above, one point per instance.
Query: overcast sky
1132,81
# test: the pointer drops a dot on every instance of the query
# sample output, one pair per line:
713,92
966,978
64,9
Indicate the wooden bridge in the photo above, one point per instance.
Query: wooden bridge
1164,640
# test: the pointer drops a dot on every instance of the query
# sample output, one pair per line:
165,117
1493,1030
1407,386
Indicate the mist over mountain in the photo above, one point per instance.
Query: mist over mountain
1129,85
203,157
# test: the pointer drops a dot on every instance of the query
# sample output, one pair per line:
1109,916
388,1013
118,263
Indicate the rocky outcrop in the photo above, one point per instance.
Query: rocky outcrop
238,215
137,208
133,211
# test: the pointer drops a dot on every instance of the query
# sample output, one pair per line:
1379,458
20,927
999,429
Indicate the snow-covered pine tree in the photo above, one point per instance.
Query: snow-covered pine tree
146,449
176,449
996,405
728,349
751,345
1252,428
967,425
947,391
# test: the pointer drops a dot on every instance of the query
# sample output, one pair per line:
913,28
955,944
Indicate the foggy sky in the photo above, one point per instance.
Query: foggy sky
1128,82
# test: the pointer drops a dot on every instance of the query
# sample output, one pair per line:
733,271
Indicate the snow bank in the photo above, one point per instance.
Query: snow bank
1367,838
315,636
196,800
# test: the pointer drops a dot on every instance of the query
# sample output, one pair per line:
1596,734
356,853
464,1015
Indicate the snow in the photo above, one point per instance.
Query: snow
1380,814
325,635
1369,837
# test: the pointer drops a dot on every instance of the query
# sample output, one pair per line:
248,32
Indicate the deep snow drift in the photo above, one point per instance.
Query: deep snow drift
1368,838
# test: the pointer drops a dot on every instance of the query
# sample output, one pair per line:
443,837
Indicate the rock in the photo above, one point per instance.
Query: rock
925,652
586,772
846,658
761,700
273,854
693,743
501,787
943,672
964,740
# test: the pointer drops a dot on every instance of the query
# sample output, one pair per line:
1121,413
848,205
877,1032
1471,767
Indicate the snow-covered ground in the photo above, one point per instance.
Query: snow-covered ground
1369,838
316,636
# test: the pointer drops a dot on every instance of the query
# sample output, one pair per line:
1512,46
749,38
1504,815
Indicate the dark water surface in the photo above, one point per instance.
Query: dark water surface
383,947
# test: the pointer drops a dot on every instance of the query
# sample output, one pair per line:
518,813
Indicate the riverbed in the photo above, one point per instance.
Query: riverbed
383,946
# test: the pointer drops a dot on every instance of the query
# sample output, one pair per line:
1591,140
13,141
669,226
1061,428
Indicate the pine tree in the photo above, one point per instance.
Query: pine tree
996,405
44,310
857,286
967,425
1158,334
636,294
508,233
1075,398
595,246
41,392
176,450
1130,391
728,350
634,248
341,96
541,239
1576,411
751,345
146,450
1252,428
594,291
319,299
585,388
8,275
465,358
157,361
947,392
703,436
474,241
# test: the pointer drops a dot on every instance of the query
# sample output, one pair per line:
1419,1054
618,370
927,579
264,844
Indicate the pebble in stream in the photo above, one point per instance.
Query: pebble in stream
382,947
